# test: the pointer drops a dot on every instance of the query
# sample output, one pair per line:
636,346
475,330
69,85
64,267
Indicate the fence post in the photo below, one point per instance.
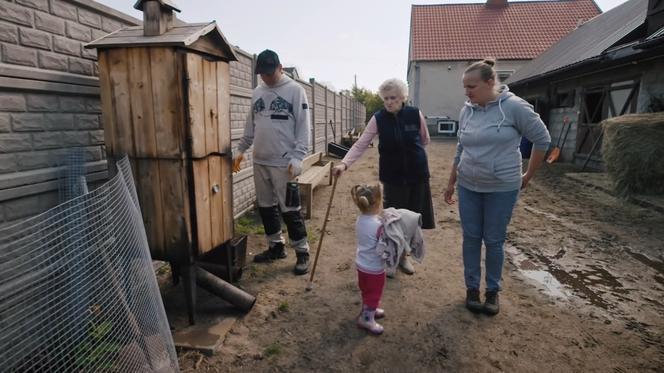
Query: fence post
334,117
313,114
327,108
254,78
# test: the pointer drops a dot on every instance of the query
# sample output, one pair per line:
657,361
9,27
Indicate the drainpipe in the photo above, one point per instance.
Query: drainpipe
416,95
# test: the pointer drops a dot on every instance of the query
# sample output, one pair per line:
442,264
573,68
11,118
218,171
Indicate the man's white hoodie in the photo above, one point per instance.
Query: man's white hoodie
278,125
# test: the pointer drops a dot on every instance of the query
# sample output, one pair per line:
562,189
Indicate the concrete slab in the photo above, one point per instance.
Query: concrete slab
601,181
214,317
205,338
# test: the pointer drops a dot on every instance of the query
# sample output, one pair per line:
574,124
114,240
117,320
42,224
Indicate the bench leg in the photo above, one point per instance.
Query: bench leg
306,200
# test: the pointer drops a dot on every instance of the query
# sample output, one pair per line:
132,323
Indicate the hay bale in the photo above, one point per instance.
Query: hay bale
633,152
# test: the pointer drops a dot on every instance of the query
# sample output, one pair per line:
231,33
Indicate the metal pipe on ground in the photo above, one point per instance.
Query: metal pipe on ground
233,295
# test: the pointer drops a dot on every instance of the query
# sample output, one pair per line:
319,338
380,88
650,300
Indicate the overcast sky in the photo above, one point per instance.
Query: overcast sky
331,41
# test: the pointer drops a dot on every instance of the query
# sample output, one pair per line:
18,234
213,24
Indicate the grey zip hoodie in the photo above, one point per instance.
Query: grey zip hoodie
488,157
278,125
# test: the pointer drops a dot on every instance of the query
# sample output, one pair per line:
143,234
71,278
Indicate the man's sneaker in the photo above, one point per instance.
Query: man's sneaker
473,302
302,264
276,251
491,306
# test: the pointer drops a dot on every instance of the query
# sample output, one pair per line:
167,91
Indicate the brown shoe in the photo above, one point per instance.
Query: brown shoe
491,306
473,302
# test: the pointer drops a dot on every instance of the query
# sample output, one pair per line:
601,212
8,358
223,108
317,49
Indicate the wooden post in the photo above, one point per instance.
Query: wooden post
156,18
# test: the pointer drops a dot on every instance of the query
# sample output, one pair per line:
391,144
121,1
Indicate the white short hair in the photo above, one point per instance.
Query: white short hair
393,85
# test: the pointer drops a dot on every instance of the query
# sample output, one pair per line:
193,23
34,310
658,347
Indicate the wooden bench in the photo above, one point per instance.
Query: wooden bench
314,170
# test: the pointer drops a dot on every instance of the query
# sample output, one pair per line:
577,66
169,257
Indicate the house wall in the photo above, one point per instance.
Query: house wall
49,102
439,91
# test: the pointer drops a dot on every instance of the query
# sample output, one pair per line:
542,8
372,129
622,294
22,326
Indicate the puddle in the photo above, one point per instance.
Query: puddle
552,286
590,284
528,268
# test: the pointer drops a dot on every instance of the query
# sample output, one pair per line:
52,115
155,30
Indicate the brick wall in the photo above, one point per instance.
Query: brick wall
49,101
329,110
49,97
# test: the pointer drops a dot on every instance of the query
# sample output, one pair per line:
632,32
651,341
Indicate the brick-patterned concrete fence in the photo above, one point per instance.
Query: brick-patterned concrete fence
332,115
49,101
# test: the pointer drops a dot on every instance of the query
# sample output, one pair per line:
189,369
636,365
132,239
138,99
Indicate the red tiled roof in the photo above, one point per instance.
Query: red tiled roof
522,30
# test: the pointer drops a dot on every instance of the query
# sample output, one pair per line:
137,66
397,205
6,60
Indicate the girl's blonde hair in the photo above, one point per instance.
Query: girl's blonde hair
367,197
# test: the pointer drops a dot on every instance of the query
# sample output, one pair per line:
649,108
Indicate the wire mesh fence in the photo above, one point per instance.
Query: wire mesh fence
77,288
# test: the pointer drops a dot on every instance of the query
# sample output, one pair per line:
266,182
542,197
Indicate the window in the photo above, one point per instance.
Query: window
504,74
447,127
564,98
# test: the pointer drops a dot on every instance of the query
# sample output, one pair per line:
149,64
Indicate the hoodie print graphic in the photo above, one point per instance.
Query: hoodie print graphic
279,108
259,106
280,105
278,126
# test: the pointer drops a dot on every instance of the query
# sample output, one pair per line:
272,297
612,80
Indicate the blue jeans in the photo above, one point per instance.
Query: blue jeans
484,217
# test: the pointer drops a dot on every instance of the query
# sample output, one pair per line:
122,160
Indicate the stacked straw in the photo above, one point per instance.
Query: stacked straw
633,152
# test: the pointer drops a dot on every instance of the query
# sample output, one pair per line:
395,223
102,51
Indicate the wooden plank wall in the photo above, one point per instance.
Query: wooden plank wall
209,95
144,116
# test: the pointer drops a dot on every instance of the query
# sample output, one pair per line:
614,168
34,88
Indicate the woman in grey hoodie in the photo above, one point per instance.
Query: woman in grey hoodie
488,169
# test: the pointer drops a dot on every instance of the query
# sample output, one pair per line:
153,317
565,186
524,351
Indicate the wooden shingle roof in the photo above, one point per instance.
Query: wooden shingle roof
201,37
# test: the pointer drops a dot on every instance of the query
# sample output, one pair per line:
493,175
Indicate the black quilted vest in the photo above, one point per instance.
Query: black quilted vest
402,156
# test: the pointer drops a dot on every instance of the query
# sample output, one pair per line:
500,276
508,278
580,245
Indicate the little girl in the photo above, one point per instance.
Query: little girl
370,263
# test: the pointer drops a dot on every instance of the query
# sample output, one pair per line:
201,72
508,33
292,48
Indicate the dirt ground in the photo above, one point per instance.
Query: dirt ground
583,291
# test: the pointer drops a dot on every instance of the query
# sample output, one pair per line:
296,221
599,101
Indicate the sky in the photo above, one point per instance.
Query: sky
334,42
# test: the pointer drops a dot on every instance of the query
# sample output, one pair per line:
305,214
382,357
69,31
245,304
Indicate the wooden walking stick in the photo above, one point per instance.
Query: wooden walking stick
310,285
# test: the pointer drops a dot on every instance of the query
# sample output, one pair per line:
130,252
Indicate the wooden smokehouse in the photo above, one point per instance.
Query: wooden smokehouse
165,103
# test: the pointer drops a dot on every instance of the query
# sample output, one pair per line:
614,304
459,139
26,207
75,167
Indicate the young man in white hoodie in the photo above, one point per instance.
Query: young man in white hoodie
278,127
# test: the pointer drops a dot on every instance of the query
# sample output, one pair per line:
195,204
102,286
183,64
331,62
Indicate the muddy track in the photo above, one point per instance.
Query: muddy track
583,292
604,252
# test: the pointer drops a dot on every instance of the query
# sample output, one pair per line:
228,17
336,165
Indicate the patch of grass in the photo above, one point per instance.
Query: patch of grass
283,306
164,270
272,350
249,224
312,235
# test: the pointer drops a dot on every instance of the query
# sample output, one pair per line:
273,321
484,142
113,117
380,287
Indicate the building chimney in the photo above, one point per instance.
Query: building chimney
496,3
158,15
655,17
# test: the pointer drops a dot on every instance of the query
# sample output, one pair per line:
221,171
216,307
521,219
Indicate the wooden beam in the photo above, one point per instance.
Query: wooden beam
43,187
31,73
41,86
36,176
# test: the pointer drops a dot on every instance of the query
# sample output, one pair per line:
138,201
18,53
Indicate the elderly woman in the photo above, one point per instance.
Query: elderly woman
403,166
488,169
